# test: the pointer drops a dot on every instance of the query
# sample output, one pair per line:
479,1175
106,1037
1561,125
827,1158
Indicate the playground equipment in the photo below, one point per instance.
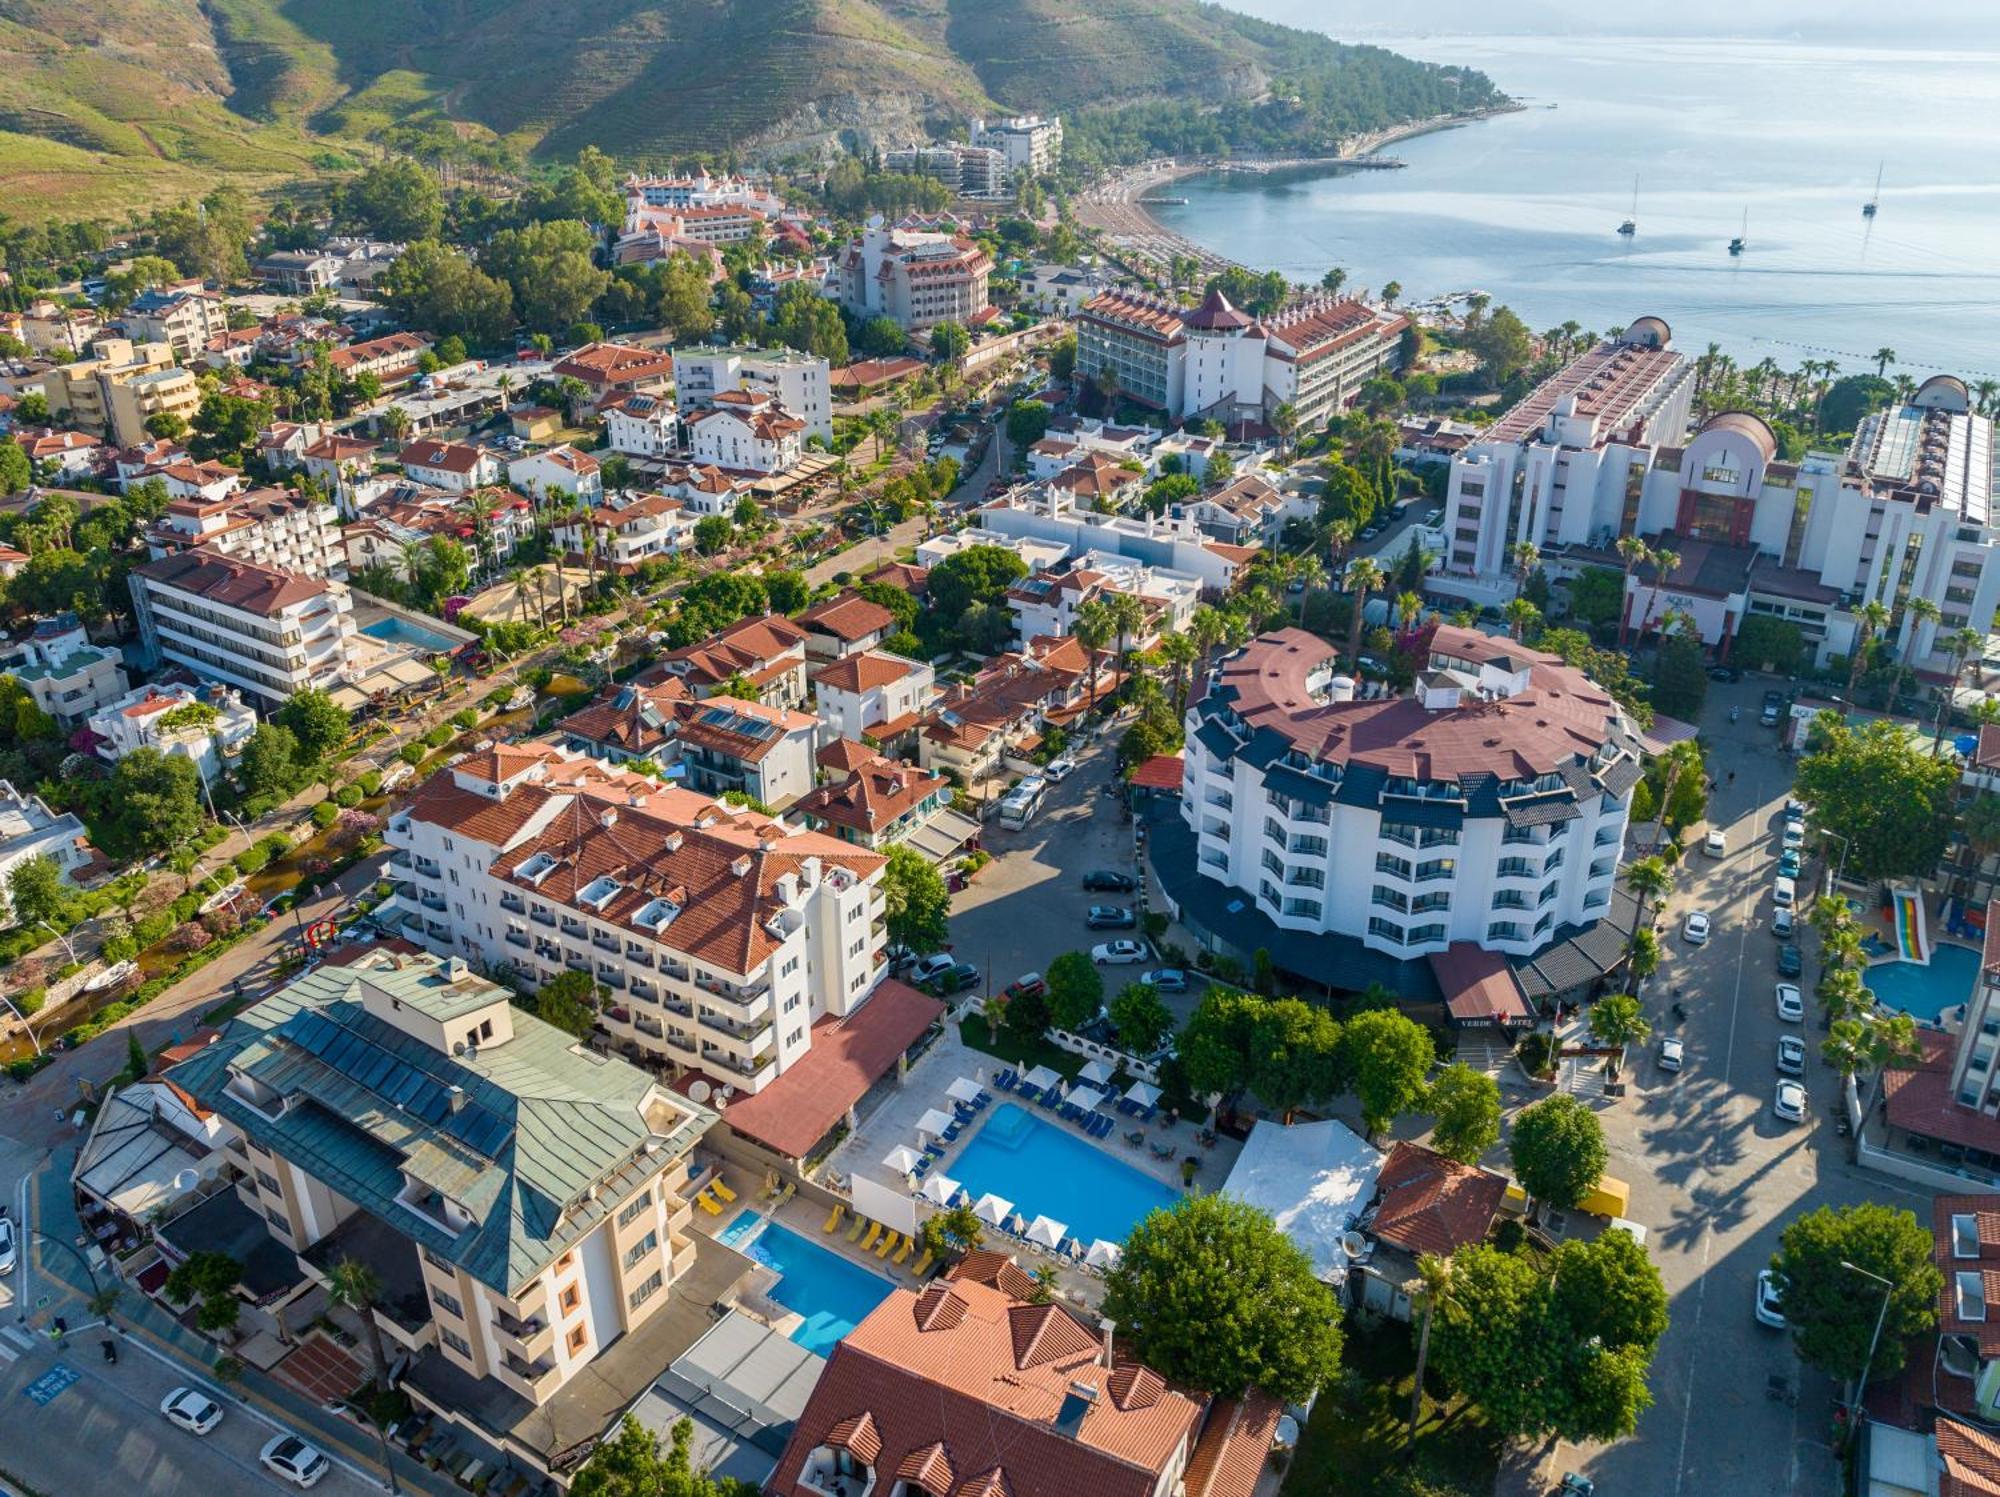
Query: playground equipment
1912,943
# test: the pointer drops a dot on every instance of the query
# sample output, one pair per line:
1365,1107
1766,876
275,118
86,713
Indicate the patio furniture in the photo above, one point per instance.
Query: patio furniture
922,1265
950,1135
868,1242
854,1231
701,1199
888,1242
721,1188
1162,1151
833,1217
904,1251
1006,1081
1135,1138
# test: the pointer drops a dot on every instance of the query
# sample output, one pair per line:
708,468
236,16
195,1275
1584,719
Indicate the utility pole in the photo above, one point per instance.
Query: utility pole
1861,1383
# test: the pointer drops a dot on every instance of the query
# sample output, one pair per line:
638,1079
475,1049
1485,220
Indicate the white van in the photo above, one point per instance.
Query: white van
1782,893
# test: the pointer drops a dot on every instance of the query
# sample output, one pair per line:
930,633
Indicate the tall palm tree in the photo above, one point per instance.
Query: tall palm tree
1409,608
1309,574
1208,628
1884,357
1526,556
1633,550
1339,536
353,1284
1128,617
1093,628
1650,882
1873,617
1520,614
1921,611
1432,1290
1664,563
1363,577
1180,651
1965,645
1985,390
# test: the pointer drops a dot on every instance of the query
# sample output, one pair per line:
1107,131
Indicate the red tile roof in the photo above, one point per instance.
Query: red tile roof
232,582
845,755
1987,754
872,797
746,645
603,364
864,671
1234,1447
451,457
1161,772
904,576
1971,1459
848,618
1984,1260
1919,1099
847,1057
1479,985
1431,1204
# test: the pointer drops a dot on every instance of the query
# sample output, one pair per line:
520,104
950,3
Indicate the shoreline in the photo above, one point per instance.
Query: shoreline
1115,206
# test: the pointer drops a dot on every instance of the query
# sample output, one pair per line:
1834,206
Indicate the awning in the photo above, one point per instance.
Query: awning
939,1189
1103,1254
902,1159
1142,1094
942,836
933,1122
1086,1097
1096,1073
963,1089
1047,1231
992,1208
1041,1079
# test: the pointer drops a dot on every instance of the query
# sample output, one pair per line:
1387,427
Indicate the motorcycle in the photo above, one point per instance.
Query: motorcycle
1735,714
1680,1013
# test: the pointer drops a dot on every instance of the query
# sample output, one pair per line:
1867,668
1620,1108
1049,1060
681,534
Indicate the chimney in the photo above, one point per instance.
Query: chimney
608,818
1110,1326
458,1099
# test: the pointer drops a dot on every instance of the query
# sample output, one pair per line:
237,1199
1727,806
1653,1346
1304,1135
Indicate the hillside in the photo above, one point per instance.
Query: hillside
144,98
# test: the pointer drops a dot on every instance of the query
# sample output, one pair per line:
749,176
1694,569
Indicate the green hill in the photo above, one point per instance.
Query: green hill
144,99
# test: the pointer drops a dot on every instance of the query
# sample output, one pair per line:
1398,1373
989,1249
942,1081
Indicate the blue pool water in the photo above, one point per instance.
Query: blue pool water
1045,1170
402,632
1925,991
833,1294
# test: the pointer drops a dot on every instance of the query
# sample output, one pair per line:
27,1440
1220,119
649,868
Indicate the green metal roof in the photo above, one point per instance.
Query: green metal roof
514,1133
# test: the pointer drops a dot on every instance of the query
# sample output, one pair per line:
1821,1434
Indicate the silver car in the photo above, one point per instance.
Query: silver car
1789,1102
1791,1055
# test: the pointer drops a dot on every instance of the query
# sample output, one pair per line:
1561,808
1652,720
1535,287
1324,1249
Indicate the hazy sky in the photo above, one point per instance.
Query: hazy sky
1935,22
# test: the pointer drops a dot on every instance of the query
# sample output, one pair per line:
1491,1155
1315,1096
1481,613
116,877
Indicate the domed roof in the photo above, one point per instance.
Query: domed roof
1648,332
1216,314
1944,392
1744,424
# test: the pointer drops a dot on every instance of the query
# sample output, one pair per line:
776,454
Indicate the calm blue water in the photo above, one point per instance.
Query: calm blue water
1526,206
1924,992
1046,1170
402,632
832,1294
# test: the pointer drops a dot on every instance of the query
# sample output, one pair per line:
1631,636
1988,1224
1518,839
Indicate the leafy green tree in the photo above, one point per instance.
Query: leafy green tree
978,574
1388,1058
713,533
269,767
357,1287
1502,344
1618,1020
1076,989
1831,1310
318,723
632,1464
394,199
1558,1151
438,287
1769,644
1883,791
211,1280
956,1229
226,426
1296,1055
1597,596
16,472
155,800
916,901
1027,423
1163,493
1027,1016
1143,1022
949,341
1466,1104
208,238
880,337
1215,1042
569,1002
550,268
807,321
788,591
1213,1296
1680,677
36,891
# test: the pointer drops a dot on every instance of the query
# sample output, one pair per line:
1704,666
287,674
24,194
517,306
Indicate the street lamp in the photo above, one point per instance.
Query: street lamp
25,1023
1842,864
1888,1287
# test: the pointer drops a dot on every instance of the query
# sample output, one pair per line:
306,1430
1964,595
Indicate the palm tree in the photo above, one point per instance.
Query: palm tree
1363,577
1092,628
1921,611
1180,651
1966,644
1409,608
353,1284
1618,1021
1664,563
1884,357
1650,882
1986,390
1208,628
1633,550
1520,614
1873,618
1309,572
1526,556
1979,829
1128,617
1339,536
1433,1288
1284,421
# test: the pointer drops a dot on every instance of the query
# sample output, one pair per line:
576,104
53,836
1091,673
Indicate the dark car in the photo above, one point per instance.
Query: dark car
1104,881
955,978
1790,963
1110,917
1774,704
1724,673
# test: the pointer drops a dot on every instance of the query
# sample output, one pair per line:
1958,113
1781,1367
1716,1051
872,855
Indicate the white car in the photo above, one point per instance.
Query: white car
1168,980
1670,1054
1118,953
1694,929
1791,1055
1770,1294
191,1409
1715,844
935,965
294,1460
1784,893
1795,834
1789,1102
7,1246
1060,769
1791,1006
1783,923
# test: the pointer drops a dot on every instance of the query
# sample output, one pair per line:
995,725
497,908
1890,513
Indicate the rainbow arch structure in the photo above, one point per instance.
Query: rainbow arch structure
1912,940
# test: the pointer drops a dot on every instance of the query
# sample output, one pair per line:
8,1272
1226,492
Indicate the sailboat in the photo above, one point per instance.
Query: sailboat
1631,225
1736,244
1868,208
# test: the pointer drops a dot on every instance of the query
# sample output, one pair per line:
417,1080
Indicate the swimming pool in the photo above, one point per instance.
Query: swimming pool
399,631
1925,991
1047,1171
832,1294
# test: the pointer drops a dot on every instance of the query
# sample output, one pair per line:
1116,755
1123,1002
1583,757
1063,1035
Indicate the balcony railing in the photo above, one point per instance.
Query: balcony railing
744,1033
543,917
518,938
433,902
513,904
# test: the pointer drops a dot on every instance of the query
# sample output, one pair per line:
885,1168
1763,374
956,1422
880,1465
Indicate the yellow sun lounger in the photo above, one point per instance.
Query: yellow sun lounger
922,1265
833,1217
855,1230
868,1242
720,1188
701,1199
888,1242
904,1251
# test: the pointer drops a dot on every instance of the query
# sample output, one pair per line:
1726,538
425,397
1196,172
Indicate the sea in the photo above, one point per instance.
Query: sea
1777,141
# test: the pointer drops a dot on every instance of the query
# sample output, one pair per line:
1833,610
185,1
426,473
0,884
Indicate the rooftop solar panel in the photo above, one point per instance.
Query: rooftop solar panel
397,1081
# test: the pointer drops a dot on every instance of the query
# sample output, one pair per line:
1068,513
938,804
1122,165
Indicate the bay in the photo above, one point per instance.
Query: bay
1525,206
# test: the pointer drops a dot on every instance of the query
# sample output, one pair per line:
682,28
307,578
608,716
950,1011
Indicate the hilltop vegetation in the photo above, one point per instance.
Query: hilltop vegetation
120,104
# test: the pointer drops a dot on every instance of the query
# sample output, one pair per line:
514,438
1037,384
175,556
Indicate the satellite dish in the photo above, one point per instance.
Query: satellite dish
187,1180
725,1091
697,1091
459,1048
1354,1245
1287,1435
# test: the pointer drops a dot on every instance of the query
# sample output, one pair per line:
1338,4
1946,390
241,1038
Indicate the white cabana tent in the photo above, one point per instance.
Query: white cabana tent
1047,1231
1096,1073
964,1089
991,1208
902,1159
939,1190
933,1122
1314,1179
1142,1094
1041,1078
1103,1254
1085,1097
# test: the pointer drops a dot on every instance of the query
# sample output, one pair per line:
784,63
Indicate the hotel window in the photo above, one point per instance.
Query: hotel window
448,1303
637,1205
457,1343
646,1290
268,1182
569,1299
577,1339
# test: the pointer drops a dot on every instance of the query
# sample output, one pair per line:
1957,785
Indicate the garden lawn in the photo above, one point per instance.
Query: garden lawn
1353,1445
1026,1055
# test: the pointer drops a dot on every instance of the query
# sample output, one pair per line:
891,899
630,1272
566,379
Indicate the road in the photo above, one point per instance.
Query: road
865,555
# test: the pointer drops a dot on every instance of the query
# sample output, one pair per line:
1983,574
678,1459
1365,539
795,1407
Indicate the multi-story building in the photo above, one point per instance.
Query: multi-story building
606,368
879,803
271,527
845,624
206,725
633,528
915,278
337,463
490,523
1042,512
455,467
1488,806
265,632
184,318
767,651
639,425
797,381
746,432
1047,602
29,829
114,391
704,488
873,696
557,470
722,935
68,676
973,727
702,190
391,358
299,273
717,744
524,1201
969,171
1218,362
68,454
1247,511
1030,143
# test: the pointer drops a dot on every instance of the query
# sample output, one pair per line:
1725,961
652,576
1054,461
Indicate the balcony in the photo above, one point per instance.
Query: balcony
433,902
1514,868
751,1070
611,977
513,904
575,962
740,994
428,869
605,943
742,1033
399,860
539,1375
678,1006
543,917
526,1339
518,938
574,927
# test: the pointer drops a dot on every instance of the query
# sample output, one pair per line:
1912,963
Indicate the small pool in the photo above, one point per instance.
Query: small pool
1045,1170
1924,991
400,631
832,1293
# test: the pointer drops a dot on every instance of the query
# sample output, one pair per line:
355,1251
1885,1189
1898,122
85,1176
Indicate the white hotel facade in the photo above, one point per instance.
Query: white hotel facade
1488,806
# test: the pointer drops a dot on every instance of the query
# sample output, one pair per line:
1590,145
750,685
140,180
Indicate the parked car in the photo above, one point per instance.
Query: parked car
1060,768
1789,1102
1784,924
295,1461
192,1410
1110,917
1770,1295
8,1248
1168,980
1118,953
1788,862
1027,985
1671,1053
1791,1055
1105,881
1724,673
1791,1007
1694,929
1784,893
1790,963
955,979
1794,835
935,965
1715,844
1774,703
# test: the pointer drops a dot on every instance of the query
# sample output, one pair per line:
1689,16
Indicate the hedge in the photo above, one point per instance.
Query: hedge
325,814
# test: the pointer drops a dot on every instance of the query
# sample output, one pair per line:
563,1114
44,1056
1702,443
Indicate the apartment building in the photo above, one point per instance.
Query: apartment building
872,696
916,278
267,633
1486,807
523,1202
606,368
973,727
637,425
68,454
702,189
1099,482
67,676
1030,142
1041,512
455,467
798,382
411,515
704,488
969,171
746,431
881,802
185,318
114,391
299,273
845,624
207,725
557,470
722,935
336,462
1047,602
768,651
29,829
271,527
1246,511
631,529
718,744
392,358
